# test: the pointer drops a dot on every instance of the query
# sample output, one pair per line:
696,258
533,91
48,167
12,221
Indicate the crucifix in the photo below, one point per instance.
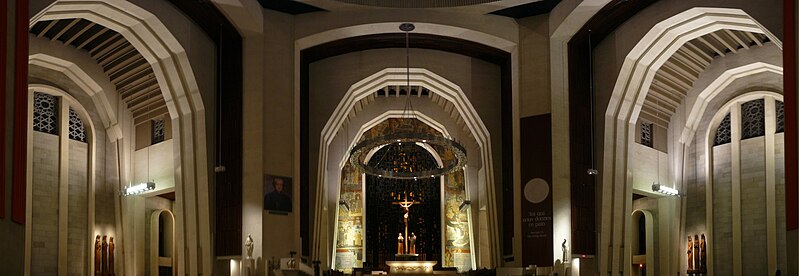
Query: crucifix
406,205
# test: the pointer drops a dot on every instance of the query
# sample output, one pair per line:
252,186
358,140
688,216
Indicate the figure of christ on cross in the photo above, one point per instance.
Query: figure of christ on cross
406,205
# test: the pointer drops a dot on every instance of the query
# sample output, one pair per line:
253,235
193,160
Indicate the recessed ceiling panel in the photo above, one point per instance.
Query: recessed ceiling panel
417,3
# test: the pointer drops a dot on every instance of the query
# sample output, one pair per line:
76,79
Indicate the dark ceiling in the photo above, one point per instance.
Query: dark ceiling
288,6
519,11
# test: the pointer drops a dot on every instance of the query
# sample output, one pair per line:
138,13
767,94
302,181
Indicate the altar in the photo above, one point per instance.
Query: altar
411,267
426,216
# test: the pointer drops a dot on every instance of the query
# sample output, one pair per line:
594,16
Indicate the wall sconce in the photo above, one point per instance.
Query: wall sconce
464,203
344,204
665,190
138,189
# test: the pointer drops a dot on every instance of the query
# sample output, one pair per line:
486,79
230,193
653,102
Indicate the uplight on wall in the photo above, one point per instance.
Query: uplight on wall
665,190
138,189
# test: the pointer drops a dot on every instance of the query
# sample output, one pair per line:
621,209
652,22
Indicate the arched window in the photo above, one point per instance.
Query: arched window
753,117
723,133
780,116
752,122
45,113
61,162
76,130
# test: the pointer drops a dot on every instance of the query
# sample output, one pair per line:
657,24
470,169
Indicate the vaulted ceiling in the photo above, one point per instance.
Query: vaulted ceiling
673,80
125,67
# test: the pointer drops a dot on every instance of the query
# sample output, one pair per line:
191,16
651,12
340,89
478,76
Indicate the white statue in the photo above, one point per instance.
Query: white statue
249,245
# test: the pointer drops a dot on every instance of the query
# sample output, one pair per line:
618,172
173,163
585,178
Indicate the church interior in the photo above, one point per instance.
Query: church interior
415,137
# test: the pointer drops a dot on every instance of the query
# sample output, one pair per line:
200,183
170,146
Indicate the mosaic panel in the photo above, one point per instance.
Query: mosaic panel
350,232
457,236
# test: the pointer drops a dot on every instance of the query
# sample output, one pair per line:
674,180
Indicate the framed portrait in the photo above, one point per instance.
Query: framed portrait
277,193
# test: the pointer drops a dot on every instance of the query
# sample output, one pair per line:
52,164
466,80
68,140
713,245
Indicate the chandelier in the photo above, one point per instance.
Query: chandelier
402,164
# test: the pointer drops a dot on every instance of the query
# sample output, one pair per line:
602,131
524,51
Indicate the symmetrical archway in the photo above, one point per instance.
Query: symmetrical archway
457,106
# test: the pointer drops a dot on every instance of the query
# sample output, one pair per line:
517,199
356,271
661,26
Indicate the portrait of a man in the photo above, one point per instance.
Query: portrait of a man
277,193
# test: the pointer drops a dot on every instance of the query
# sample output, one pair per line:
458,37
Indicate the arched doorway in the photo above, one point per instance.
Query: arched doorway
162,243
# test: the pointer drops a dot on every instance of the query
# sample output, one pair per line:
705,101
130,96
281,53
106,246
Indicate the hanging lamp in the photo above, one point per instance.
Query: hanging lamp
452,153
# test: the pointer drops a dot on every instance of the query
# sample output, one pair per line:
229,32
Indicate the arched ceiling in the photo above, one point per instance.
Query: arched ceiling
673,80
125,67
399,92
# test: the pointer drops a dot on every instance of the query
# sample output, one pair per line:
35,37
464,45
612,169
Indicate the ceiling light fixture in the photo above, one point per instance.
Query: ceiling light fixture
138,189
665,190
452,153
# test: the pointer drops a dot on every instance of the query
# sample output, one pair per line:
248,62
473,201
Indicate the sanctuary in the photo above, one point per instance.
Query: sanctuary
412,137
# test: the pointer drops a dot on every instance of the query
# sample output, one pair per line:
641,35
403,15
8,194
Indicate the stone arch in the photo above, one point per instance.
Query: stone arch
180,91
629,92
87,84
707,143
436,84
426,28
714,89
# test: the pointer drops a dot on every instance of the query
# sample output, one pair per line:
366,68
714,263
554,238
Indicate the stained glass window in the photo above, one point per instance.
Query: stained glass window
45,113
158,133
646,134
76,130
753,119
723,133
780,116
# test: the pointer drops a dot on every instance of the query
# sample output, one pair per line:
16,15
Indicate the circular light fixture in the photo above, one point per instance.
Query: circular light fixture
457,162
453,155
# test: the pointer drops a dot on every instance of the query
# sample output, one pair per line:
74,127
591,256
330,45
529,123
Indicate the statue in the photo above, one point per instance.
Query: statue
690,254
697,262
111,257
105,257
702,255
565,251
400,244
248,244
97,260
412,241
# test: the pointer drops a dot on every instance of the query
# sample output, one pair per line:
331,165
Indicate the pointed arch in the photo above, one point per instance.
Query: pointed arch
442,87
174,74
628,96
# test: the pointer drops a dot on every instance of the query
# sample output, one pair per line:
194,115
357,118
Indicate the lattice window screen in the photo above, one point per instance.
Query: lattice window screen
780,116
646,134
76,130
158,133
753,114
723,133
45,113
